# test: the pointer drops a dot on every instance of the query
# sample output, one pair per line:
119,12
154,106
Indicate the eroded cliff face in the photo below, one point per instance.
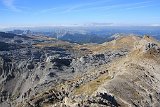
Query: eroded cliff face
52,73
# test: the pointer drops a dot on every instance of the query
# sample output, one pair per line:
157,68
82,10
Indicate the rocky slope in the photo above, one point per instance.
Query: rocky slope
45,72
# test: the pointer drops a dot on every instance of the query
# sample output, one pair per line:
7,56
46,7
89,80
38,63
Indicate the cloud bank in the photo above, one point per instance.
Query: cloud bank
10,5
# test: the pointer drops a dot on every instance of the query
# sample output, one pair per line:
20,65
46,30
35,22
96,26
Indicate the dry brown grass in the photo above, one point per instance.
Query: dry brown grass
123,42
91,86
42,45
58,44
42,38
149,39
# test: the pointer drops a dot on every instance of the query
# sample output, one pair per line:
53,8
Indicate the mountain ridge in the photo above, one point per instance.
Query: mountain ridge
46,72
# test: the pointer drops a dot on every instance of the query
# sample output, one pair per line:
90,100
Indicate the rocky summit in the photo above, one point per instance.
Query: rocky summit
39,71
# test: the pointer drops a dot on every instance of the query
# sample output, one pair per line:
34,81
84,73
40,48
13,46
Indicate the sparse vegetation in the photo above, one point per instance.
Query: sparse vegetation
92,86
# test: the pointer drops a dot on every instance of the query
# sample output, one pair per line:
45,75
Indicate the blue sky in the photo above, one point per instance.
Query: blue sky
69,12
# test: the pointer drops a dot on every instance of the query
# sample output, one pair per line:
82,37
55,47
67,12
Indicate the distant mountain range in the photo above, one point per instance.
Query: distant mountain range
88,34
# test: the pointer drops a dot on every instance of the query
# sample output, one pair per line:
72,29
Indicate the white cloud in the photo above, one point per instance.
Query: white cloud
10,5
49,9
98,24
98,5
155,25
70,8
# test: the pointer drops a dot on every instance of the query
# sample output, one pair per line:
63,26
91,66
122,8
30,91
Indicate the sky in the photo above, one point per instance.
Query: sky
79,12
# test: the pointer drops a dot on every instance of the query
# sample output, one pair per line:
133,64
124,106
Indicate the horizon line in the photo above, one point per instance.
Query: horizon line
74,25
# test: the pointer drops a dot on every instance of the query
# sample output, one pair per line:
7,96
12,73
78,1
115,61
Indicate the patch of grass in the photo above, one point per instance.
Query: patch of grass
92,86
